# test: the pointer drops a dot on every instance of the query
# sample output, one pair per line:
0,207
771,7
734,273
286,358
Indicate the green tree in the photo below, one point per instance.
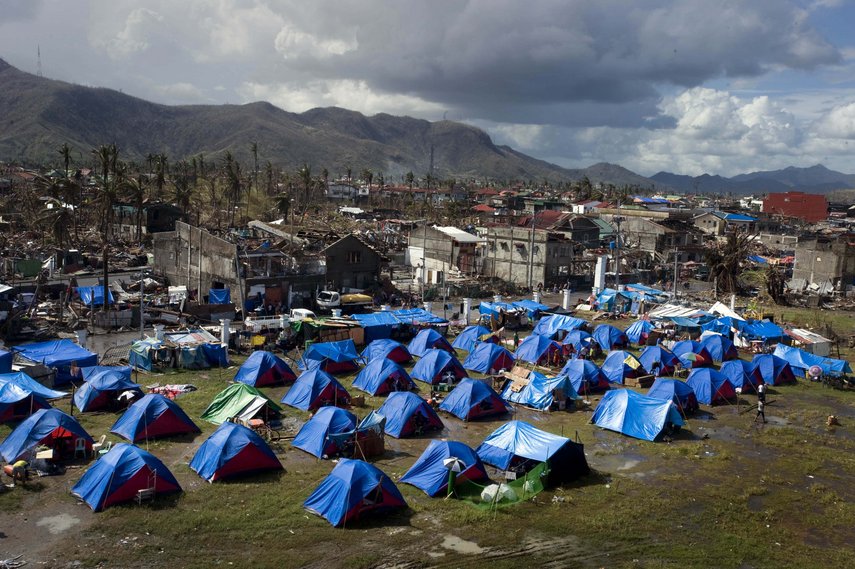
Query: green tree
65,152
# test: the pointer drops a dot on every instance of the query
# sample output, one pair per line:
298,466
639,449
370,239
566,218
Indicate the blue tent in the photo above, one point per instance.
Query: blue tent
636,415
94,295
471,335
608,337
692,354
540,392
102,388
426,340
408,414
585,376
639,330
387,349
59,354
680,392
473,399
724,325
49,427
219,296
658,361
317,436
738,373
551,325
764,330
719,347
332,357
582,343
6,361
532,308
430,474
314,389
803,361
438,366
233,450
382,376
488,358
537,350
151,417
620,365
710,386
117,476
26,382
18,403
263,369
772,370
354,488
520,447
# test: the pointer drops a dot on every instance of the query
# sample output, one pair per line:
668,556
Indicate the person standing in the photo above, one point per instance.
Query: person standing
761,411
516,340
761,391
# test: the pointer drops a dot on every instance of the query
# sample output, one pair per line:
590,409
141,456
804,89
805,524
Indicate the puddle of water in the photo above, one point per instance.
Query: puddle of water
58,524
454,543
435,554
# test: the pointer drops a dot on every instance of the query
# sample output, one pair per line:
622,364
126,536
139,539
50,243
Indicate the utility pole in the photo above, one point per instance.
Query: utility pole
676,274
142,308
618,220
531,250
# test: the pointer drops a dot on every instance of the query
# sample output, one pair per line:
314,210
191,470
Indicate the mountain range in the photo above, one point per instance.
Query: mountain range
38,115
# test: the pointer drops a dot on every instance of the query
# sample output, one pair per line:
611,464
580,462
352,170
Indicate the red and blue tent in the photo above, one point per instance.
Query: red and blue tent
152,417
580,339
353,489
472,335
540,392
635,415
18,403
263,369
48,427
233,450
315,389
711,387
585,376
680,392
103,386
720,348
620,365
438,366
551,326
608,337
318,434
772,370
117,476
657,360
407,414
430,473
473,399
426,340
332,357
488,358
27,383
692,354
639,331
537,350
60,355
387,349
382,376
738,373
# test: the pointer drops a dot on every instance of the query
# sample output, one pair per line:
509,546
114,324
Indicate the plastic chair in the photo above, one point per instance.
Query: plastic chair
80,448
96,447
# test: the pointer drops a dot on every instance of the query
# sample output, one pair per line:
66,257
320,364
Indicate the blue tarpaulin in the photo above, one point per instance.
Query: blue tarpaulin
635,415
489,358
803,361
532,309
219,296
408,414
471,335
5,361
472,399
59,354
539,393
430,474
27,383
762,330
94,295
639,330
550,325
331,356
233,450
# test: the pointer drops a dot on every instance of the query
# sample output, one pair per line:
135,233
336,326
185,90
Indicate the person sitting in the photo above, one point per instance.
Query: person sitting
19,472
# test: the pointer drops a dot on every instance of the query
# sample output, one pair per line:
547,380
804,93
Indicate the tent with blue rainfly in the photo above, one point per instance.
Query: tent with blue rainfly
471,335
18,403
720,348
117,476
153,416
315,389
585,376
382,376
5,361
431,471
426,340
537,350
331,357
27,383
608,337
680,392
407,414
106,388
639,331
242,402
488,358
532,309
47,427
473,399
724,325
541,392
711,386
318,435
264,369
620,365
387,349
352,490
762,331
438,366
738,373
551,326
635,415
58,354
231,451
658,360
802,361
692,354
581,342
772,370
518,446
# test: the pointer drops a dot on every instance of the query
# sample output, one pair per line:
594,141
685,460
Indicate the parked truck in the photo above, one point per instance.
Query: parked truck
348,303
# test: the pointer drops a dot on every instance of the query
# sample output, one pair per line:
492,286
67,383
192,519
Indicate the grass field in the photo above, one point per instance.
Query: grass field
725,493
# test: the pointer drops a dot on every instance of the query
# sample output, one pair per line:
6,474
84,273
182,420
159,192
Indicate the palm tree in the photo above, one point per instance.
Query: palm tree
182,189
410,178
231,171
161,168
134,189
65,152
305,174
107,156
58,217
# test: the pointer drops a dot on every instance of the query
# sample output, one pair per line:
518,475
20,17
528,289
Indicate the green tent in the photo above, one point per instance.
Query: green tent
241,401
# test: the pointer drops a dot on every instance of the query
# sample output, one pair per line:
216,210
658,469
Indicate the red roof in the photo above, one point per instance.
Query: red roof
484,208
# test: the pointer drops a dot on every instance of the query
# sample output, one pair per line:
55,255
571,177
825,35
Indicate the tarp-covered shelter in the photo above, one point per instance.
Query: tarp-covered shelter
489,358
60,355
219,296
382,376
473,399
152,417
318,435
620,365
430,473
233,450
426,340
802,361
658,360
582,342
691,354
315,389
550,326
438,366
772,370
680,392
639,331
48,427
242,402
264,369
720,348
711,387
761,331
191,350
471,335
538,350
585,376
117,476
18,403
407,414
353,489
738,373
532,309
106,388
541,392
5,361
26,382
636,415
608,337
518,446
387,349
94,295
331,357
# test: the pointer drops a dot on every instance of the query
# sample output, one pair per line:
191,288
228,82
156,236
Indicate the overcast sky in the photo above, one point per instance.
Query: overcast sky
686,86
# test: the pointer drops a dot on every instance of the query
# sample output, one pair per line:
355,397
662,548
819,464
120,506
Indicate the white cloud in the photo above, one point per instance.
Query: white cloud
134,36
182,92
294,43
839,123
